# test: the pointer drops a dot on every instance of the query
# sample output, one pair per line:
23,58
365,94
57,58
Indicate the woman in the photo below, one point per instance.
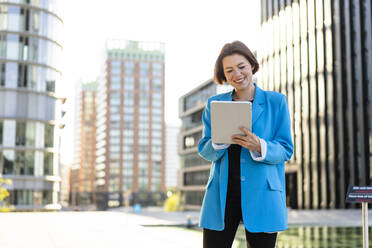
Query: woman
247,179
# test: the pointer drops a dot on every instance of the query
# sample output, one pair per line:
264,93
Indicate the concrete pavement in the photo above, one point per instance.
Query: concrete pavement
340,217
124,228
90,230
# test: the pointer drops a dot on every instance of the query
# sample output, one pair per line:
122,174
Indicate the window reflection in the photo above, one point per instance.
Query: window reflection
25,133
32,77
48,163
8,162
12,48
31,49
49,135
1,133
18,162
19,19
128,68
157,84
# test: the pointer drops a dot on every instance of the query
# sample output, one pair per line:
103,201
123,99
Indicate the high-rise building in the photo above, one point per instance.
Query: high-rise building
194,170
82,185
30,111
319,54
130,155
172,161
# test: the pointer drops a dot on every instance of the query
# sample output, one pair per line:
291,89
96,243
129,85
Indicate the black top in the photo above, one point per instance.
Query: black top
233,187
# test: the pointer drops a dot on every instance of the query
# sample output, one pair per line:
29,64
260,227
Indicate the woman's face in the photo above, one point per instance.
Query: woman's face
237,70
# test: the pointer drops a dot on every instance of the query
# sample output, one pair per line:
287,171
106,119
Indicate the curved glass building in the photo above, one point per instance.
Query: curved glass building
29,108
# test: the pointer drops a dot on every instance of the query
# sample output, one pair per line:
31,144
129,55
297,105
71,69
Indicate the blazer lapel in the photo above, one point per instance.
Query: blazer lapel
258,104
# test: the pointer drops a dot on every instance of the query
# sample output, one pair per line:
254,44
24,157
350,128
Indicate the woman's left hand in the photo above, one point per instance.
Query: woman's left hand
249,141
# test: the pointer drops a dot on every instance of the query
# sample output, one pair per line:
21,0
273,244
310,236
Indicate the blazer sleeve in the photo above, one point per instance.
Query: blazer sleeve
205,147
280,148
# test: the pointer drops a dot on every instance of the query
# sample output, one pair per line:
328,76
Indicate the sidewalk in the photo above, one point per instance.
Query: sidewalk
155,216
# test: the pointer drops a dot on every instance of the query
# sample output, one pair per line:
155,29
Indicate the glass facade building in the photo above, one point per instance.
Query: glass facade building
130,154
194,169
30,112
319,54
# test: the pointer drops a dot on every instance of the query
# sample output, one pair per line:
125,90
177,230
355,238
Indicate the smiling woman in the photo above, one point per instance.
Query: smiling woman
247,178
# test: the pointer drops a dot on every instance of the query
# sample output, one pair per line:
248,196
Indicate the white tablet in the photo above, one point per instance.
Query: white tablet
226,117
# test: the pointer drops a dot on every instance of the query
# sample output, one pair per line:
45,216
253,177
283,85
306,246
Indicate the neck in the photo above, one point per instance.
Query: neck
246,94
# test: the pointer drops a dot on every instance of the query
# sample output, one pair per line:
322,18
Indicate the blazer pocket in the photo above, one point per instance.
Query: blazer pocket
274,184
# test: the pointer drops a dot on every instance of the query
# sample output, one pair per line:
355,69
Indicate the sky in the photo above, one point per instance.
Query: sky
193,31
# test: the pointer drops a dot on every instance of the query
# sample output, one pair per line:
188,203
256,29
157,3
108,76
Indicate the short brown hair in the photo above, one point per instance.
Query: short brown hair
235,47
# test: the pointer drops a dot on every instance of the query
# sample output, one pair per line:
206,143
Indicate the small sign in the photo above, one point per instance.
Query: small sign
359,194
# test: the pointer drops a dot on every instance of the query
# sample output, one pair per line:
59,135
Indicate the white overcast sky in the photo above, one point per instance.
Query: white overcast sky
193,32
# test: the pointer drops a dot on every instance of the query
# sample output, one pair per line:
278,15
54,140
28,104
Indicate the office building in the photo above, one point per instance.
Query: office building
319,54
172,160
30,111
130,154
194,170
82,185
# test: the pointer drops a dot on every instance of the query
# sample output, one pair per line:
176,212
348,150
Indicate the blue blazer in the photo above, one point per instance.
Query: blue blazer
263,195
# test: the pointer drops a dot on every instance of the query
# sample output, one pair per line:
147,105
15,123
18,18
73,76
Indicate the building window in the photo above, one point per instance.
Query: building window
25,133
128,117
144,99
128,133
143,157
156,118
51,85
1,132
143,141
115,82
156,142
2,68
127,156
49,135
48,164
156,157
157,103
47,197
127,149
156,111
144,111
22,76
144,83
128,140
8,162
23,163
157,84
144,125
115,117
144,68
115,140
128,169
156,133
114,109
157,96
115,67
128,68
115,98
128,99
156,149
156,126
129,83
23,197
157,69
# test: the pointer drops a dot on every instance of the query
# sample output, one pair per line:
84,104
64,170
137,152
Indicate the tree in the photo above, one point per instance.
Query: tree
4,194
